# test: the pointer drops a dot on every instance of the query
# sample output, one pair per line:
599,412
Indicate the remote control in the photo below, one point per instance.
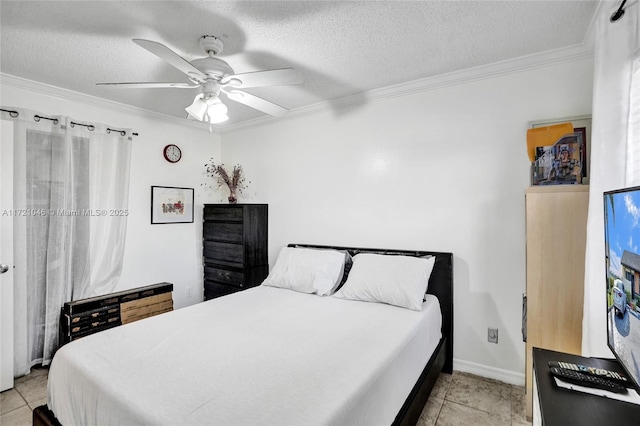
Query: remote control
587,380
592,371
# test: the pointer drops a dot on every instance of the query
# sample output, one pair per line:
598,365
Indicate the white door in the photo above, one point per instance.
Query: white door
6,255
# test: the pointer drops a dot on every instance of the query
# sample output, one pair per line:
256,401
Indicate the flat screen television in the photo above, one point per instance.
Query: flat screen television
622,257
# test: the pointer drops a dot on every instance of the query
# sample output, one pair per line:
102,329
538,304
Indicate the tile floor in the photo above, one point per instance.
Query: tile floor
465,399
457,399
29,392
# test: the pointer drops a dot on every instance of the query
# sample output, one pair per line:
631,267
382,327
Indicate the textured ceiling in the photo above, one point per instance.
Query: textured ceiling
341,47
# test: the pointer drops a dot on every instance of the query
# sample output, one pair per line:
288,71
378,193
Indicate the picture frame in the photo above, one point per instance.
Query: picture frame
582,125
560,163
171,205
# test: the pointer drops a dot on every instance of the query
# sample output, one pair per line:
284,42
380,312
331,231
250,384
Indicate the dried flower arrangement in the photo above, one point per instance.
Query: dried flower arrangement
235,182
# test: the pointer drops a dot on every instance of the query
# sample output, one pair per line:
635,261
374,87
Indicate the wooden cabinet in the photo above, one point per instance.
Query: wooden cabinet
556,218
87,316
234,247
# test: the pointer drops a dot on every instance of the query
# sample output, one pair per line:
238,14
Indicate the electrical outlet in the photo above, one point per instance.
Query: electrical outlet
492,335
189,291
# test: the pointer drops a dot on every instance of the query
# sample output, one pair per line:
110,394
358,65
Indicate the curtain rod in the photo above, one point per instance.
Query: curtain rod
122,132
618,13
13,114
91,127
39,117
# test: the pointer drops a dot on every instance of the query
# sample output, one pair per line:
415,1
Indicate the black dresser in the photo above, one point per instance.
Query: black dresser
234,247
554,406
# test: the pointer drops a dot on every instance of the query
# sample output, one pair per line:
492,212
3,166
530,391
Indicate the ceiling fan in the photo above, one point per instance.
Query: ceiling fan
214,76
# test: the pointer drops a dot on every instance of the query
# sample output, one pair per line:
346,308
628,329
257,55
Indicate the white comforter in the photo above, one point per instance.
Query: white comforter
262,356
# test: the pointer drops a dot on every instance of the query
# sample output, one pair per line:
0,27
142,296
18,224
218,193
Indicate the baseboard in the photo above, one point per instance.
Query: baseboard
511,377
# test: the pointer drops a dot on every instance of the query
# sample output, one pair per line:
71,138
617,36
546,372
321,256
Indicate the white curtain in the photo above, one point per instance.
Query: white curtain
71,189
614,153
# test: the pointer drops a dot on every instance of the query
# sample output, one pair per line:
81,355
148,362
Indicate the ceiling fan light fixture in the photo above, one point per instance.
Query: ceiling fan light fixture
217,119
216,110
198,108
208,109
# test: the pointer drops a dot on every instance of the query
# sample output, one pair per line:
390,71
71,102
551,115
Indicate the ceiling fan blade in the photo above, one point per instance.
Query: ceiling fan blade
163,52
150,85
256,102
277,77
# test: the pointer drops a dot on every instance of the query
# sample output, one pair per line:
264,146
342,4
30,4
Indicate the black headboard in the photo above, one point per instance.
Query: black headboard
440,284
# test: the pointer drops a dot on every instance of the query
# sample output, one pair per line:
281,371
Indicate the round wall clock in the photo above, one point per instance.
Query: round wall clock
172,153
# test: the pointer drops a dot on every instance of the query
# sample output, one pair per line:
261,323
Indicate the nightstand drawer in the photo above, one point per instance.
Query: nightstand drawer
223,213
223,231
213,290
224,253
224,276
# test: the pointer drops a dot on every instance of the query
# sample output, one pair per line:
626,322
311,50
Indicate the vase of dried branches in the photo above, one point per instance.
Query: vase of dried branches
234,181
233,199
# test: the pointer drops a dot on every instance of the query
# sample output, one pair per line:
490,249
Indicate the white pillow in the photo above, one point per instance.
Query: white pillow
392,279
307,270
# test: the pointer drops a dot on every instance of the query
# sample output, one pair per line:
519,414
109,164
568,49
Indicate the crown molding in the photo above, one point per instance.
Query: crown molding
61,93
549,58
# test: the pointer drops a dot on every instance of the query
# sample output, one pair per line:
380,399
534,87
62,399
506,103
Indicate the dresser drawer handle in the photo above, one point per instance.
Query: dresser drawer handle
226,275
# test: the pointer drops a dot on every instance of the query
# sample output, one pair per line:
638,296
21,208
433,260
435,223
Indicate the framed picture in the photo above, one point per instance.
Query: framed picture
171,205
581,125
561,163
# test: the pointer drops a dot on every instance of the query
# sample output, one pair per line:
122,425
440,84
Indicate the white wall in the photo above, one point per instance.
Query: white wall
153,253
443,169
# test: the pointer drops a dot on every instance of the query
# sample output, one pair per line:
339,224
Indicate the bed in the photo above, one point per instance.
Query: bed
266,355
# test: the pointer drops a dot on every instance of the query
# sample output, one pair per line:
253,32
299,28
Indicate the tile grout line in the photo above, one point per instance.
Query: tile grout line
444,398
26,404
512,394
